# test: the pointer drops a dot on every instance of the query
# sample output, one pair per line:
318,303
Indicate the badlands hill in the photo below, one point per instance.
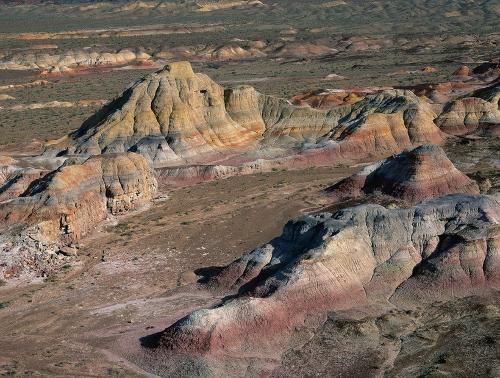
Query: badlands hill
177,126
53,210
118,258
412,176
477,112
177,117
354,268
361,257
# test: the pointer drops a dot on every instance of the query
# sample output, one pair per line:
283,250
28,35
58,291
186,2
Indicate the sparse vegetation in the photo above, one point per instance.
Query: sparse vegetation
291,76
87,319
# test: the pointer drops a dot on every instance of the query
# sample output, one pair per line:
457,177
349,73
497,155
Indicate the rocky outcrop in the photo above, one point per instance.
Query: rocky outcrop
192,174
234,50
32,84
361,256
8,166
476,112
176,117
67,203
463,71
325,98
17,181
230,52
489,69
388,121
210,7
55,104
4,97
175,113
412,176
299,50
61,62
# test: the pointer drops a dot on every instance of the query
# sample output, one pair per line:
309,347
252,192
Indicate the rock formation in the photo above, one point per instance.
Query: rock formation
412,176
55,104
230,52
463,71
489,69
7,167
362,256
79,59
67,203
32,84
210,7
299,50
331,98
176,117
15,181
478,111
4,97
168,116
429,69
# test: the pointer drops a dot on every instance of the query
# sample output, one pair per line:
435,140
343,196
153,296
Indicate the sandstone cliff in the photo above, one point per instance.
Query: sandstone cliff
67,203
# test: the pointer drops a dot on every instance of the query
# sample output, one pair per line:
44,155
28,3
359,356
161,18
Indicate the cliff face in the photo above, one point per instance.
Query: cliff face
176,117
366,255
412,176
67,203
17,181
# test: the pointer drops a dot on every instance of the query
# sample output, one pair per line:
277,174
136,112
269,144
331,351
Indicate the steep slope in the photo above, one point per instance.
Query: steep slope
176,117
478,111
174,112
51,216
67,203
412,176
18,181
361,256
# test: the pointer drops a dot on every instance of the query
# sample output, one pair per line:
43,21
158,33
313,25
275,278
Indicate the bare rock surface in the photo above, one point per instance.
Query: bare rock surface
175,113
412,176
72,59
70,200
67,203
356,258
16,181
478,111
176,117
463,71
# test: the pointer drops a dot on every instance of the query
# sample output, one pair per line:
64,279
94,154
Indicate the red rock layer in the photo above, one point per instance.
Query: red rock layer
364,255
176,117
412,176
